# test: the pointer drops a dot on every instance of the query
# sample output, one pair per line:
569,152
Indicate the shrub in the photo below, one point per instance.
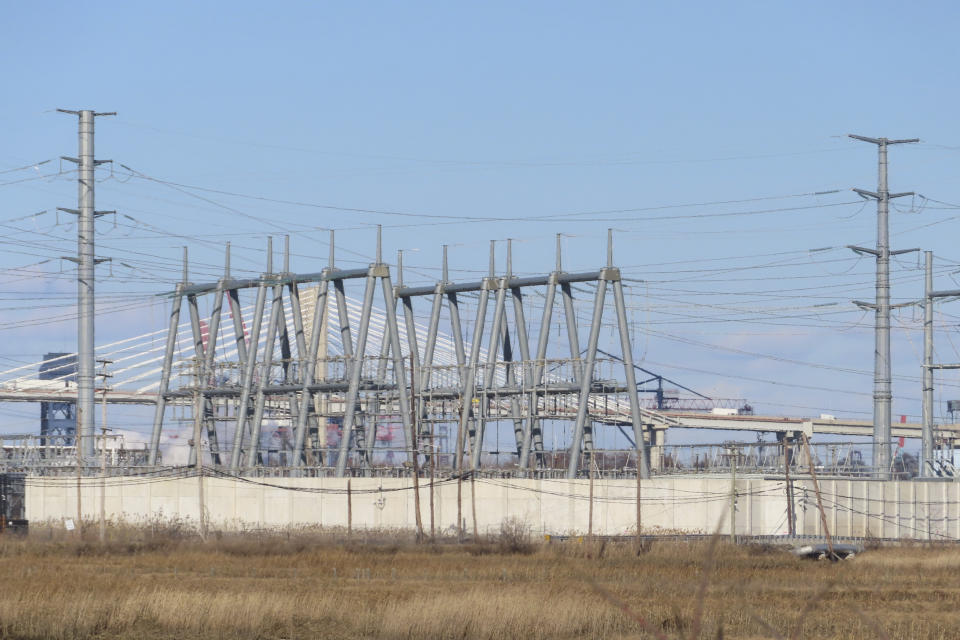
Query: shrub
514,537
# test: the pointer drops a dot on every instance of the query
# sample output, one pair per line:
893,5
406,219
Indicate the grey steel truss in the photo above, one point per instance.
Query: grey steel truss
334,409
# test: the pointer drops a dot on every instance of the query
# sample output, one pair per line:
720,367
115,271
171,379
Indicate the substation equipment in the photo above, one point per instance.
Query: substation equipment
290,374
448,396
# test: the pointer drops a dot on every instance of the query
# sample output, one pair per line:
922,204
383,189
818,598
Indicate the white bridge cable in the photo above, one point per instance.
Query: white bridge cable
15,382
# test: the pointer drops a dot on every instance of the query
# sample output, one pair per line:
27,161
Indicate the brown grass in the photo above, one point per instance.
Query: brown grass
313,584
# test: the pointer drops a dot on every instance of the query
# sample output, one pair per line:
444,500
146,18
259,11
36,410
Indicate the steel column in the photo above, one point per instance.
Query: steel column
511,381
343,315
882,387
286,359
471,370
431,344
367,436
456,327
276,307
882,392
534,435
309,371
489,375
398,367
86,365
411,325
580,426
355,370
300,340
627,350
239,328
165,375
198,350
243,406
520,325
572,336
210,350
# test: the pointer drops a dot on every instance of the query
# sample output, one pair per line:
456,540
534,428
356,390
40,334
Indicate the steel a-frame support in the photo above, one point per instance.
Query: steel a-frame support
167,365
276,329
378,271
413,347
468,422
534,434
582,427
500,340
582,430
309,360
249,372
426,368
356,370
276,308
366,439
205,351
200,369
520,325
213,330
466,372
489,372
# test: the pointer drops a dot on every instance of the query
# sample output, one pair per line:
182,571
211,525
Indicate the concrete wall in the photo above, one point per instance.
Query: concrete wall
693,504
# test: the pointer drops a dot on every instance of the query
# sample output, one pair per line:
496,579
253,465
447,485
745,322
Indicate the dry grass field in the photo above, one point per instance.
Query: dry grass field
167,584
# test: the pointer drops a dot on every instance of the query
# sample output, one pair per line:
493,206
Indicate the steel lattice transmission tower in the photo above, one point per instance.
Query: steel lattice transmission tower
86,261
882,392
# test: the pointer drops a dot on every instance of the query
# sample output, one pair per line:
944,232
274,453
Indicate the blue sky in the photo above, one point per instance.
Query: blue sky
510,111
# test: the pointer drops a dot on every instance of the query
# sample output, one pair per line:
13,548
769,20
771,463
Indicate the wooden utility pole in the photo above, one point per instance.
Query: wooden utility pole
433,477
473,506
733,497
414,452
103,479
590,508
791,526
816,489
639,513
349,510
460,507
103,455
198,450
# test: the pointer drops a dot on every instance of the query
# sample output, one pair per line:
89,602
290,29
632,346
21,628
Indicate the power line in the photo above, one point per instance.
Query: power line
551,217
35,165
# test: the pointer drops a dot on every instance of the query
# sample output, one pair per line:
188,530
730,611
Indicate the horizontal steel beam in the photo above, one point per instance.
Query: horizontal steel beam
402,292
224,392
447,393
269,280
494,283
70,397
783,425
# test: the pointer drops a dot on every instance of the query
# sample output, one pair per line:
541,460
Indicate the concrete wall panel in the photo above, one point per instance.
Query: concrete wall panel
691,504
